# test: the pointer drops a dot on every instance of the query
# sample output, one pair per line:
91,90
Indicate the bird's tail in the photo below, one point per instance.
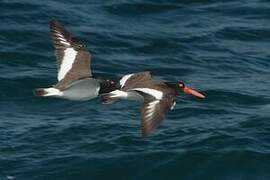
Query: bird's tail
42,92
111,97
108,98
39,92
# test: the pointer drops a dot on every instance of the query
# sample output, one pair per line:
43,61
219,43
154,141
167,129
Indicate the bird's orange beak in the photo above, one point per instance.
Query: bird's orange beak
188,90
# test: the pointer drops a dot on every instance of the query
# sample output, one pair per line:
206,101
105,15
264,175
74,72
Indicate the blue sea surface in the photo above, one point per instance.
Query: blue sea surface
221,48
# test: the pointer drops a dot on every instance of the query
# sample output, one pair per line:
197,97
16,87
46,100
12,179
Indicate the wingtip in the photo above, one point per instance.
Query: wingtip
39,92
146,132
107,99
56,26
145,135
54,22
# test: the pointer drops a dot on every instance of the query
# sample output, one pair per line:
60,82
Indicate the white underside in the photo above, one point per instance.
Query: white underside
129,95
81,90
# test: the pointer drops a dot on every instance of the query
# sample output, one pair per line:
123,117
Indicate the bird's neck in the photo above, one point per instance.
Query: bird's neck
171,84
107,86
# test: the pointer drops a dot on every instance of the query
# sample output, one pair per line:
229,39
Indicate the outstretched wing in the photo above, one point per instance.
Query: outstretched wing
154,108
73,60
152,114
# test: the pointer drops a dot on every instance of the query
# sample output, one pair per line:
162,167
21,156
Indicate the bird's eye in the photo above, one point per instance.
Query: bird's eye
181,85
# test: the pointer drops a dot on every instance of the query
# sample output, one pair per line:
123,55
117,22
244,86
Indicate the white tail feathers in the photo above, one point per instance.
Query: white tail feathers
47,92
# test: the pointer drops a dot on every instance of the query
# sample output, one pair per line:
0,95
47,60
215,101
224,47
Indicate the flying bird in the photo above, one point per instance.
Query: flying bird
157,97
75,80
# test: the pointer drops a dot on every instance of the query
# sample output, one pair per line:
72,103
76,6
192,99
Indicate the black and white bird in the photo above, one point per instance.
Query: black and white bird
157,97
75,81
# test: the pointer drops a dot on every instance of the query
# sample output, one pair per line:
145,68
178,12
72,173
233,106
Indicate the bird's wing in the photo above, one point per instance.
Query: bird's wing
73,60
130,81
154,109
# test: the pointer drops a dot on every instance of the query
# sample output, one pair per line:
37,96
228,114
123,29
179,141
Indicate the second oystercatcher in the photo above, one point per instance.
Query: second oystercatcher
157,97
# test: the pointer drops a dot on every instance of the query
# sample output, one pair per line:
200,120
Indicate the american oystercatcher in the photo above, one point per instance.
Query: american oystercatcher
157,97
75,81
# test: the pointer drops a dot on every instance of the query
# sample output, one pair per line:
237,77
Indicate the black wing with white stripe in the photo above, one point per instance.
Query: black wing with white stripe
73,59
152,114
153,111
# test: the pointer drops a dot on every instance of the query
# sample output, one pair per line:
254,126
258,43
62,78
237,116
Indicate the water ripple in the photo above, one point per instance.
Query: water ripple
220,48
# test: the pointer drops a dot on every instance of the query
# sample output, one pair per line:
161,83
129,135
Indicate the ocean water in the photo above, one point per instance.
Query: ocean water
219,47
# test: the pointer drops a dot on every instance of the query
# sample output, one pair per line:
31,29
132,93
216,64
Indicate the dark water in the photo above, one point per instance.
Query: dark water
219,47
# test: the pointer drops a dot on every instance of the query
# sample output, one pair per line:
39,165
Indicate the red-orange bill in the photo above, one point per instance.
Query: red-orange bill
188,90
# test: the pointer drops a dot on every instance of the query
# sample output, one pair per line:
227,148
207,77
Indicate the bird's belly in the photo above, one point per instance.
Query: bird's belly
134,96
82,90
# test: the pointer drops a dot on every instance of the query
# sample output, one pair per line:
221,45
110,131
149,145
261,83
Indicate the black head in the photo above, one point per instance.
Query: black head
107,86
180,85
